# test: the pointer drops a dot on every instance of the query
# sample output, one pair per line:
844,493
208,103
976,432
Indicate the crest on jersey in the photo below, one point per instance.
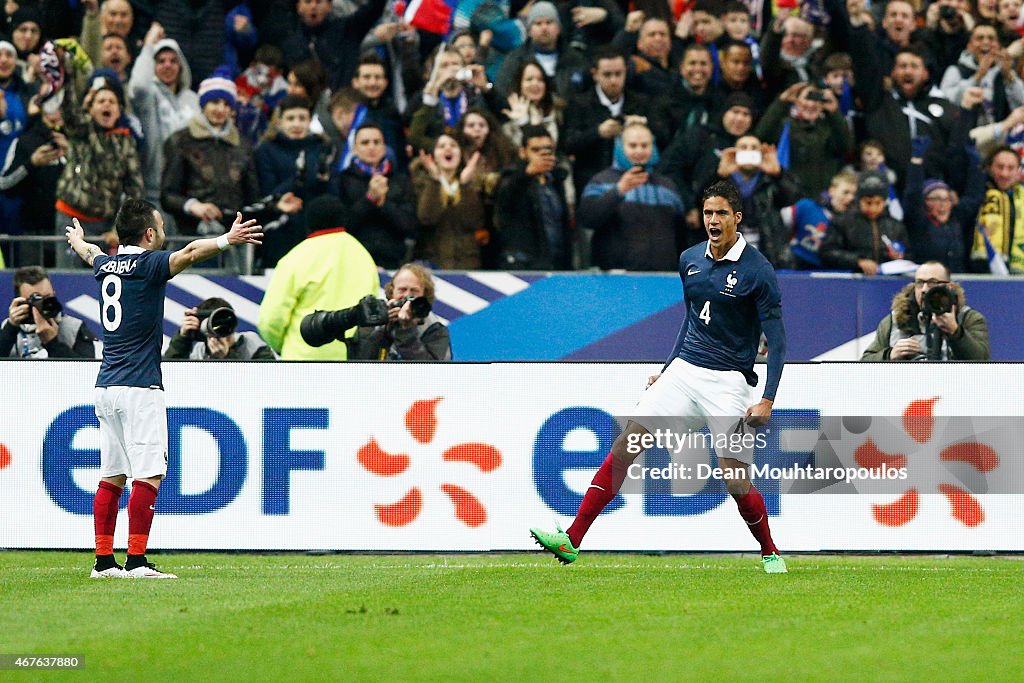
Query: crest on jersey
730,281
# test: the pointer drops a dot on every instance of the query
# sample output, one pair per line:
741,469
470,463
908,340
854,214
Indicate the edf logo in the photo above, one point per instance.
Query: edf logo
551,460
61,459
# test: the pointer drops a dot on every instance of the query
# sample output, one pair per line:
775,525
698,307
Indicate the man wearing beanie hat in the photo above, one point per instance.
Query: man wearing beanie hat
866,236
208,164
693,156
160,90
568,67
936,219
26,31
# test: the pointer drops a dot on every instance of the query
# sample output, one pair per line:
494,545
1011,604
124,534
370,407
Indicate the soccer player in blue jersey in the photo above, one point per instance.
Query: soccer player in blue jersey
129,389
731,296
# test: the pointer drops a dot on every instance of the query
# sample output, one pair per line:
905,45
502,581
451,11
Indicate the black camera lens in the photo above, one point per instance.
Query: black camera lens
48,306
938,300
221,322
947,12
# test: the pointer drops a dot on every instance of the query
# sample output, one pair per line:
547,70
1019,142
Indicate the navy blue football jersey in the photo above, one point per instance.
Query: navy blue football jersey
726,301
132,286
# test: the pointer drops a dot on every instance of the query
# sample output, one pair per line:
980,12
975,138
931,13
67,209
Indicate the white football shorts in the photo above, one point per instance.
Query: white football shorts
695,397
133,432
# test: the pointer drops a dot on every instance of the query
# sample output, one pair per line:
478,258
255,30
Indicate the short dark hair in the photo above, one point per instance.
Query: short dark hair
270,55
534,131
133,219
607,52
213,303
734,7
371,126
991,156
312,77
727,191
347,99
28,275
294,102
371,59
695,47
325,212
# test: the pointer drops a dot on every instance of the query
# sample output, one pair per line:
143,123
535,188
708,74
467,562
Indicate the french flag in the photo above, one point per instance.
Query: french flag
433,16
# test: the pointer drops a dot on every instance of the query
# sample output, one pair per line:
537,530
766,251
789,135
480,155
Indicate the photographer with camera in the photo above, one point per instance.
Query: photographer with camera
36,326
210,332
403,327
930,321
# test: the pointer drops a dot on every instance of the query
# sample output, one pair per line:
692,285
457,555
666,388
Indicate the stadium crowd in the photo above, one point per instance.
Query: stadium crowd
538,135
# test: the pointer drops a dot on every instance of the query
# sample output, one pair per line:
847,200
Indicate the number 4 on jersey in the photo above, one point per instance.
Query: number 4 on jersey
705,313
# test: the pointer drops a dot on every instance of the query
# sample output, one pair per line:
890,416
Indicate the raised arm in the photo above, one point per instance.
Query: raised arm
241,232
76,238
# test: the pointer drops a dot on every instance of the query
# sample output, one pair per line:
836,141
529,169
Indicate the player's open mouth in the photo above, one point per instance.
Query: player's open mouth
714,233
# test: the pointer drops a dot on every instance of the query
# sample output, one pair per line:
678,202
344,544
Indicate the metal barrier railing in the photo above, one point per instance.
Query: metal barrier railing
31,250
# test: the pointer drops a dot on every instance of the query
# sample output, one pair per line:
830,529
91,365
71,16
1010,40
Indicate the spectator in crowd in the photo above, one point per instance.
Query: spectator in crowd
906,110
380,201
947,29
260,87
102,162
328,270
818,136
866,236
406,337
333,40
309,80
938,222
1008,13
220,341
810,220
14,106
593,24
564,66
161,96
912,331
986,65
596,118
791,53
736,65
371,82
479,132
689,97
208,167
114,55
531,212
27,35
653,65
36,326
291,161
113,17
1001,216
445,99
402,49
34,164
765,187
898,31
532,101
449,206
692,159
634,212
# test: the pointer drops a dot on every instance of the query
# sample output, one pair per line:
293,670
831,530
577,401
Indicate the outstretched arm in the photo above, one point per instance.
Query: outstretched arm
76,238
241,232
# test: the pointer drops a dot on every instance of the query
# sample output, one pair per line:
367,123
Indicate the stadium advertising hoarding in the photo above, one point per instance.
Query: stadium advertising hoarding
467,457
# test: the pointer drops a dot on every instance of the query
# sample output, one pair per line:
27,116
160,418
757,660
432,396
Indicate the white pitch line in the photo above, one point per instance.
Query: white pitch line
506,283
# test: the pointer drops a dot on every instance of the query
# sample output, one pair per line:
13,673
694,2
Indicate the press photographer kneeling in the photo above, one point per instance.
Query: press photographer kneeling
401,328
930,321
210,332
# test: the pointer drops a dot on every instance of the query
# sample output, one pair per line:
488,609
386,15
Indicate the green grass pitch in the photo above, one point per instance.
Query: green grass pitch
518,617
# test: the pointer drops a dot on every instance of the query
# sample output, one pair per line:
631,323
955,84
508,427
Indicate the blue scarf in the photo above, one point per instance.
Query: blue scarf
383,168
454,108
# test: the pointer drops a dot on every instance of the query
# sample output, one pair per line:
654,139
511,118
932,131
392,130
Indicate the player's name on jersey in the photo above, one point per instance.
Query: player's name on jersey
118,266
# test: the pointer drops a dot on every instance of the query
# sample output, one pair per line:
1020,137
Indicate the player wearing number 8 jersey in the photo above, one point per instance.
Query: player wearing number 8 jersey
129,389
731,296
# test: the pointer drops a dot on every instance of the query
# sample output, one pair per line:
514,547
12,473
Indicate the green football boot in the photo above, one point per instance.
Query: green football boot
557,543
773,564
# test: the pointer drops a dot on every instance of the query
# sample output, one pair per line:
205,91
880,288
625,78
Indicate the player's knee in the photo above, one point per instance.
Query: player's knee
626,446
737,487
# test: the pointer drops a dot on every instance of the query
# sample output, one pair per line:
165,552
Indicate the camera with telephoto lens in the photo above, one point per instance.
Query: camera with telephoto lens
220,322
948,13
48,306
323,327
938,300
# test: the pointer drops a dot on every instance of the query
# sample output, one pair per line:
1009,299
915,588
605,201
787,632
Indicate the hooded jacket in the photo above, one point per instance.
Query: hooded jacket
1002,96
969,343
640,230
161,110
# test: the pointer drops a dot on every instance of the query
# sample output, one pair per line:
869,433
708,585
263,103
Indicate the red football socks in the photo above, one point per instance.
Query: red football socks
104,514
141,505
603,487
753,512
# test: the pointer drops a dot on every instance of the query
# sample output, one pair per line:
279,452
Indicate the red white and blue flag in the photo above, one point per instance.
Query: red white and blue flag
433,16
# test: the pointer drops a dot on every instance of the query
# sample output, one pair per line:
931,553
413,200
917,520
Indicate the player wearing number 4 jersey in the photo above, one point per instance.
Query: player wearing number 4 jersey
731,296
129,388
